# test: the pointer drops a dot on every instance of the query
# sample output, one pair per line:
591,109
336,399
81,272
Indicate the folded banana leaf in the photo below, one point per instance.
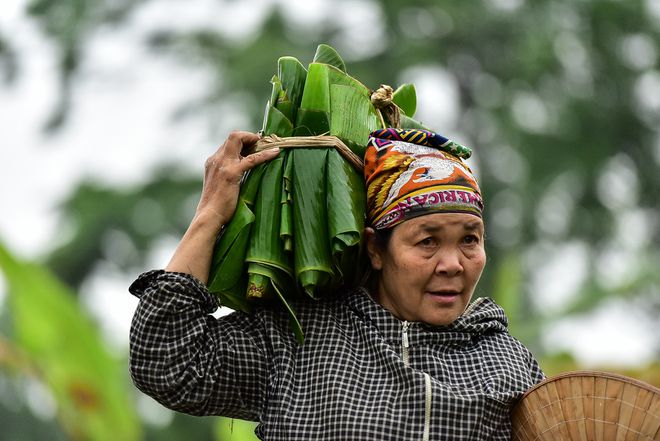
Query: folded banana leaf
299,220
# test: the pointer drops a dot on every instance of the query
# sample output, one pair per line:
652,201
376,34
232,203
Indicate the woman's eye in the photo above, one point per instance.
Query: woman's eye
427,242
471,239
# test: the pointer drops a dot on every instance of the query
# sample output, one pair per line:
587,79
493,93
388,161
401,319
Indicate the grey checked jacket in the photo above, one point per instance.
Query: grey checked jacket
361,374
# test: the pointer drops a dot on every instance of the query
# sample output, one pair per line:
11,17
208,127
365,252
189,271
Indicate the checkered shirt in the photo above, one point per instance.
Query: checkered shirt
361,374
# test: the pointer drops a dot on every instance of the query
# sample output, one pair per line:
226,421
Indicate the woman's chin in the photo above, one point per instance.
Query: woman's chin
442,310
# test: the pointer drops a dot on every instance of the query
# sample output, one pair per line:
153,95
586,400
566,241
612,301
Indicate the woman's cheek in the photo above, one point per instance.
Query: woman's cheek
475,252
479,258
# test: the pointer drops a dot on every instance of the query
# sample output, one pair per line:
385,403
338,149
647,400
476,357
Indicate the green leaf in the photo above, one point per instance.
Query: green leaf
405,97
292,74
312,122
227,277
250,185
353,117
328,55
265,244
294,323
312,257
90,387
227,274
336,76
286,107
346,206
286,201
346,202
266,247
277,123
233,297
317,106
316,95
280,283
242,217
280,112
277,89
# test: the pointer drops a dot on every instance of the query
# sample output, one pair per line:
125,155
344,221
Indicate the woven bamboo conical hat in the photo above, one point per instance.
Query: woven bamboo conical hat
588,406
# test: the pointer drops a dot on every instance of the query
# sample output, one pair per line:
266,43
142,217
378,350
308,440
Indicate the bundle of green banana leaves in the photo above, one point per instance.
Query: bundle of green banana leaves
299,220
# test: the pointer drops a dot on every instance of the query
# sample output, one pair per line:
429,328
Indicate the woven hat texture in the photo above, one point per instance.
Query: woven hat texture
588,406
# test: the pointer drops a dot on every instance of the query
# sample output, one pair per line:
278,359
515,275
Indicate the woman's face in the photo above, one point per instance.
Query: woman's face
430,267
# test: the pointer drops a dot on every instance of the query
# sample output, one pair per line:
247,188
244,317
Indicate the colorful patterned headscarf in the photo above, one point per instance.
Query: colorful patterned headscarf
410,173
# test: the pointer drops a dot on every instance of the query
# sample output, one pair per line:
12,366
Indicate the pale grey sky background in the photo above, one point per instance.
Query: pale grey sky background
120,129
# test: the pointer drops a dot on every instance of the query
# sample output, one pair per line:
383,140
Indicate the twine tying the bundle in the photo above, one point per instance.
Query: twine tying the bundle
320,141
381,98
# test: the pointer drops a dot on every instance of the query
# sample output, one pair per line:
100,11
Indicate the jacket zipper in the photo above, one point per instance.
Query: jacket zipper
473,305
427,407
405,346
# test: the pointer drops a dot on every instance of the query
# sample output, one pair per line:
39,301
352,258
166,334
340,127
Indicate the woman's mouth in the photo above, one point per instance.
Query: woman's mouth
444,296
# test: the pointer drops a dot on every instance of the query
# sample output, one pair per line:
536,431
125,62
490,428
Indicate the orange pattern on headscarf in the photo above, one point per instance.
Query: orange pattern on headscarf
405,179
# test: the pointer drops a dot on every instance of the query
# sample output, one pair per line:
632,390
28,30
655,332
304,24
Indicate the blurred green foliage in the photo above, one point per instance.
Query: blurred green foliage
120,225
555,98
57,344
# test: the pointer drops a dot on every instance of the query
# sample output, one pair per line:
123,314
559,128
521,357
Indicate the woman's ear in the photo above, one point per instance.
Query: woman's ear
373,250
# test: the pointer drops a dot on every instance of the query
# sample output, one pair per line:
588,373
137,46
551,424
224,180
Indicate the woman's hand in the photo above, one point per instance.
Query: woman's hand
222,178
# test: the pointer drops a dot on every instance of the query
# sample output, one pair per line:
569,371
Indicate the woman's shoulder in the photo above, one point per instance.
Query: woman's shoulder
322,315
485,318
332,307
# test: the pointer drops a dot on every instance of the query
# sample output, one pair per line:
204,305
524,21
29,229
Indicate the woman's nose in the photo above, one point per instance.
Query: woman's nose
448,262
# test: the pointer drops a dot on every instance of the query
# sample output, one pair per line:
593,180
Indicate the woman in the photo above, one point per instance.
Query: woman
405,359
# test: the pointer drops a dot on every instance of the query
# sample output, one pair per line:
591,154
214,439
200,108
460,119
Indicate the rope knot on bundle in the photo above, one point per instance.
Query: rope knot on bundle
388,111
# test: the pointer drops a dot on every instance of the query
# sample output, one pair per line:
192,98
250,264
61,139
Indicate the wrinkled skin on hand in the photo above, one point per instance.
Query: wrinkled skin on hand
223,172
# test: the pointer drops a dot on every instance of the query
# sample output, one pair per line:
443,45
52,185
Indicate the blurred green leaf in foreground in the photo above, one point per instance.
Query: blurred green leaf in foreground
61,346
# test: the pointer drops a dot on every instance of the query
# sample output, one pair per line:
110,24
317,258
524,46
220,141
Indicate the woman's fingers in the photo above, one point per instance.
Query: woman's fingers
229,155
224,171
255,159
226,162
237,141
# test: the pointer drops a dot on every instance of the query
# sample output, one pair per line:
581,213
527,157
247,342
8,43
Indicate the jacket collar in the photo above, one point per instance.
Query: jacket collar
481,316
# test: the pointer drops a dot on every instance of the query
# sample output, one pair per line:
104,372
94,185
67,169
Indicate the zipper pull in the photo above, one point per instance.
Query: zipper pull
404,335
405,343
